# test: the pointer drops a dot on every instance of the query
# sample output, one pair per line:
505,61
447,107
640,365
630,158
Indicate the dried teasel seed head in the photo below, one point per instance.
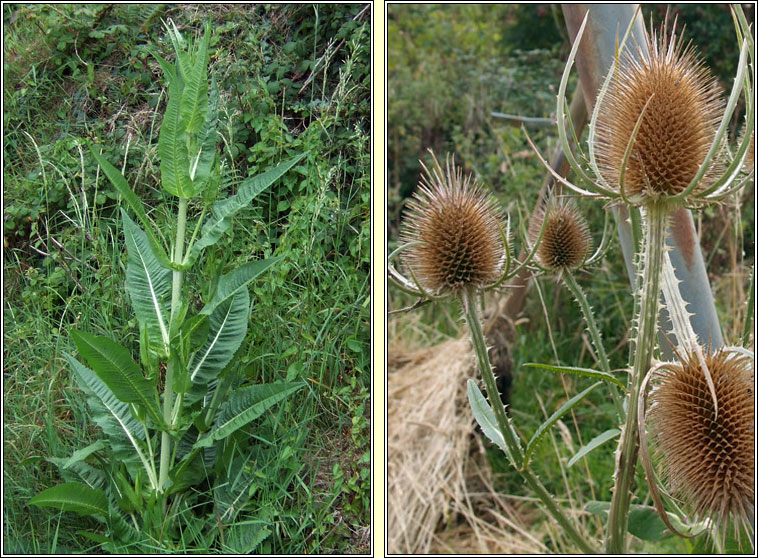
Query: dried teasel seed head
566,236
707,458
684,106
454,228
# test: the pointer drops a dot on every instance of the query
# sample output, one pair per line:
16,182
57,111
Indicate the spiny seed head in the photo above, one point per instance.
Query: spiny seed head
684,106
707,458
565,239
455,228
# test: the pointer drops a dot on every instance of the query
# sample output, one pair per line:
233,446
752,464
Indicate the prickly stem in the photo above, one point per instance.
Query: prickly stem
643,346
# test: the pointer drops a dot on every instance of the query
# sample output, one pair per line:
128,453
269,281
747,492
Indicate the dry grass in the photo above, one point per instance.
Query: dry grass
439,495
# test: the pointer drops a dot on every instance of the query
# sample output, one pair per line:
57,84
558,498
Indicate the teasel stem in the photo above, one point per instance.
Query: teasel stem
468,303
168,390
570,281
654,224
746,328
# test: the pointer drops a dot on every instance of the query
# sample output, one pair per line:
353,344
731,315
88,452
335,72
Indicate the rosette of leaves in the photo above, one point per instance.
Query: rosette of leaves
178,418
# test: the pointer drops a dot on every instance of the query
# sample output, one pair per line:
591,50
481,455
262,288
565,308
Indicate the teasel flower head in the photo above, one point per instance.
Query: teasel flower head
453,233
675,104
659,127
565,240
706,455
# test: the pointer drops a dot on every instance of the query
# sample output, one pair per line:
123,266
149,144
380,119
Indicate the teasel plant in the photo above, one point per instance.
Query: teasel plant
453,243
657,142
560,236
175,424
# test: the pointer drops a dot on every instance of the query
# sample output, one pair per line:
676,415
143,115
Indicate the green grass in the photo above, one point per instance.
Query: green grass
291,77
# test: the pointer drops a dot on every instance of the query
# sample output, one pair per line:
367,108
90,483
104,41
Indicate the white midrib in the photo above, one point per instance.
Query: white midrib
213,344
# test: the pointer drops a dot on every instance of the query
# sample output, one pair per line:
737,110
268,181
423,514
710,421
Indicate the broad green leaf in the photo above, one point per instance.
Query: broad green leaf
168,69
172,149
194,96
114,366
79,470
95,537
644,522
195,331
244,537
203,162
113,416
224,210
246,405
75,497
594,443
578,371
84,453
249,189
231,283
485,418
545,426
131,199
183,62
228,325
147,283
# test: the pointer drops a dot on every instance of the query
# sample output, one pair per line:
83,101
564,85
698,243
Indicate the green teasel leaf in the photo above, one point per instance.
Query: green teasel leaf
244,537
210,190
79,471
95,537
114,366
172,149
147,282
169,70
231,283
247,404
485,418
82,454
189,470
223,211
250,188
194,96
596,442
195,331
113,416
228,325
183,59
644,522
203,162
125,433
579,372
119,182
545,426
74,497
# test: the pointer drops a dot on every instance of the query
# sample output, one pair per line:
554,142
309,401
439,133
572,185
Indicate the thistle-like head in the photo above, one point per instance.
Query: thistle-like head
659,127
657,120
707,456
453,233
565,241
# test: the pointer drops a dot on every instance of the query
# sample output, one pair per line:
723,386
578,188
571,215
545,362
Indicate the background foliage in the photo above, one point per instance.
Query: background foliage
292,78
449,68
